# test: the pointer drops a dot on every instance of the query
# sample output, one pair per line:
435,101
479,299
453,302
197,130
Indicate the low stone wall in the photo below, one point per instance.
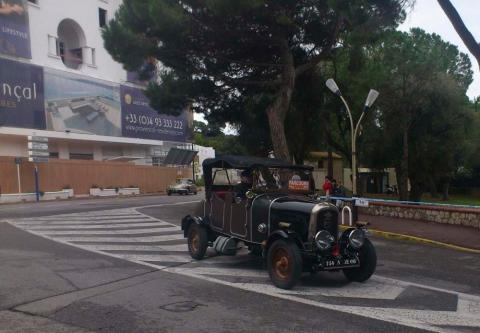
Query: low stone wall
30,197
469,217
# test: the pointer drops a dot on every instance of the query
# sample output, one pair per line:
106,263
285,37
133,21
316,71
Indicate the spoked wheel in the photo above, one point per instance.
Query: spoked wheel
284,263
197,241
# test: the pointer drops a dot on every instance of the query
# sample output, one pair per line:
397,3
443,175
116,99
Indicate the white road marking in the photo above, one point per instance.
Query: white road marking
84,221
109,232
422,319
149,239
89,226
136,248
157,257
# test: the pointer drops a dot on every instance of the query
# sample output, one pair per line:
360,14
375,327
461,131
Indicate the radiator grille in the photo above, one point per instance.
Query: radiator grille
328,220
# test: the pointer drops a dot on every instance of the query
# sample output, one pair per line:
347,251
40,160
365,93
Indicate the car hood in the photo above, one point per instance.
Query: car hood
265,202
292,203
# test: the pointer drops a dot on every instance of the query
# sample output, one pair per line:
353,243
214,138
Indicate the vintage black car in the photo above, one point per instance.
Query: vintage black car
270,206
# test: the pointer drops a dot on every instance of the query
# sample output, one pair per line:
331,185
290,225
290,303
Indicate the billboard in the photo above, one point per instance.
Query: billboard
21,95
139,120
81,105
44,98
14,28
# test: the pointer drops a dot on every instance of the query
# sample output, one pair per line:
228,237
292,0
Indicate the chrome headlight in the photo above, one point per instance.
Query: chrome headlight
324,240
356,238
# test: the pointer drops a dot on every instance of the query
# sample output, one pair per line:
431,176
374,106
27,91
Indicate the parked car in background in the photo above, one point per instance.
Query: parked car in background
183,186
270,206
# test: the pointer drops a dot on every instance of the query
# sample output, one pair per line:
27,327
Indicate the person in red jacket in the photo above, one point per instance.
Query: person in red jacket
328,186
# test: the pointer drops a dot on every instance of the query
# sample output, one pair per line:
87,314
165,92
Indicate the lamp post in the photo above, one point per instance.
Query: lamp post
372,96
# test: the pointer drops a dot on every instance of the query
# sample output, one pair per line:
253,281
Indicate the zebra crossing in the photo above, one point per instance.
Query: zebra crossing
122,233
130,235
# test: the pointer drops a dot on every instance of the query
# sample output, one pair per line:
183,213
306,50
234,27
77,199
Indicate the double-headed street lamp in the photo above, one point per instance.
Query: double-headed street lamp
372,96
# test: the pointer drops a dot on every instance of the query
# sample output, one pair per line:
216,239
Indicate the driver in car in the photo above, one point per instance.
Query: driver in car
246,183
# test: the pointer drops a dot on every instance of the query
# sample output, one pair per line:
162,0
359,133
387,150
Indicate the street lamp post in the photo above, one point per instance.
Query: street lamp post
372,96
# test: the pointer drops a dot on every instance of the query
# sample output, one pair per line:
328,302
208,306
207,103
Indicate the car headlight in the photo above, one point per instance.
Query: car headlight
324,240
356,238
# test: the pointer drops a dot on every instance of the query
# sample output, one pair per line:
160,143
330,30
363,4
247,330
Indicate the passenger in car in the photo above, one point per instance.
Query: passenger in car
246,183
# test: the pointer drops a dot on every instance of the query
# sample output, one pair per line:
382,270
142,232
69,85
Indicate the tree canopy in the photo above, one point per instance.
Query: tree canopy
421,120
222,55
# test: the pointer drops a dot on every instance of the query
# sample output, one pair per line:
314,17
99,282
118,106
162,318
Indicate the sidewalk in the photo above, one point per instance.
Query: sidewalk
445,233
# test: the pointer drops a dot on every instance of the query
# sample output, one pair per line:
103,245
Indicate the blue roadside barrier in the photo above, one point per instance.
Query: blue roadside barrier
351,199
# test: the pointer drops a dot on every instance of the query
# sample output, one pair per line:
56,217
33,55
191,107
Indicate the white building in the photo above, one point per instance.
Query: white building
90,109
203,154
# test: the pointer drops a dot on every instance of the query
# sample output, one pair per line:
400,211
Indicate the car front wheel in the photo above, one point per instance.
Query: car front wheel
284,263
197,238
368,263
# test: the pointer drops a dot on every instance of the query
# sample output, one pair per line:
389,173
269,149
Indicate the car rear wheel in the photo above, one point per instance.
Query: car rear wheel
368,264
284,263
197,241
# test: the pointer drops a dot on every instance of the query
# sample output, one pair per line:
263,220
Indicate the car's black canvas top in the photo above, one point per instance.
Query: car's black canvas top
246,162
243,162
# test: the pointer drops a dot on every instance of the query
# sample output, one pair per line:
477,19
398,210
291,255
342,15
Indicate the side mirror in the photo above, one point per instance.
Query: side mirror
250,194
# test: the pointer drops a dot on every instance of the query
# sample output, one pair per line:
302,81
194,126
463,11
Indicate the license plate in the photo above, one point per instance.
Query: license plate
340,263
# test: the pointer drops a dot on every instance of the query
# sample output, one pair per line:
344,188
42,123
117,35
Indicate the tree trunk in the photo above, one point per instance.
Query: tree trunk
445,189
416,191
277,111
402,171
330,163
432,187
461,29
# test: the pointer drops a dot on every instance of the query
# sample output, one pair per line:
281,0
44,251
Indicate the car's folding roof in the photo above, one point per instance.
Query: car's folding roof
243,162
246,162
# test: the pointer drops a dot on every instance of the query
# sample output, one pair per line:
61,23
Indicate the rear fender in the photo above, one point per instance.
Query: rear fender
189,219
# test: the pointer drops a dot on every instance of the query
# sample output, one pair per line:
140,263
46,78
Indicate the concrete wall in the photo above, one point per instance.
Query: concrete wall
439,214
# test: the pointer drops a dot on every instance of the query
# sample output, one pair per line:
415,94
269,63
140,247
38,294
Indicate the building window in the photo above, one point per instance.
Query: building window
71,40
157,161
53,154
102,17
78,156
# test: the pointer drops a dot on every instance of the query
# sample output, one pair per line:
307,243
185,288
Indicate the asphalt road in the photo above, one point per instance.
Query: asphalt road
77,271
46,208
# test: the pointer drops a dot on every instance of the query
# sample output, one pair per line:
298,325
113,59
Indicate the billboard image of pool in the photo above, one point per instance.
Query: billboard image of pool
79,105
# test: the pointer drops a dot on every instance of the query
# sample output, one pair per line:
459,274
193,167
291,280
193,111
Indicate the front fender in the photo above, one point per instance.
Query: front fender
284,234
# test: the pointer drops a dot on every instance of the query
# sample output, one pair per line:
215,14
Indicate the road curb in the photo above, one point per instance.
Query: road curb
393,235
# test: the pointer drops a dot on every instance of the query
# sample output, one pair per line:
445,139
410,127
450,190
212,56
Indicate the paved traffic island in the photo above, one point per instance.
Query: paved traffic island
452,236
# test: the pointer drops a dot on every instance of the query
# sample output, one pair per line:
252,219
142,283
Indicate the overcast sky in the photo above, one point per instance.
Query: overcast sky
428,15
